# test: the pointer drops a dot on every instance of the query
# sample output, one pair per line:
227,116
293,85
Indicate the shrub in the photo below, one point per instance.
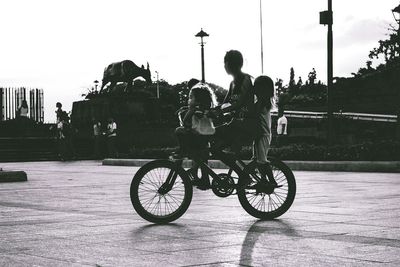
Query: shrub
384,151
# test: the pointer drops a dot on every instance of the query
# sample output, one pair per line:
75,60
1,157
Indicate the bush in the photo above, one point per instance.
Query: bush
379,151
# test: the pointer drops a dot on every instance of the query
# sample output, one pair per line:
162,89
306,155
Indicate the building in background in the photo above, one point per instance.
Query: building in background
11,99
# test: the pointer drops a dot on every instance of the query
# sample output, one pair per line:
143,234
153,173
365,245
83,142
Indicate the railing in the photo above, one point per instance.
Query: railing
11,99
348,115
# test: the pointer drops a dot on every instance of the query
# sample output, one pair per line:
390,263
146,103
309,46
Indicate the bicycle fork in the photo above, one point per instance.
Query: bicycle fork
171,178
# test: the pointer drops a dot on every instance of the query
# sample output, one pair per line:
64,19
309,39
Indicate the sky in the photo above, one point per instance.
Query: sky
62,46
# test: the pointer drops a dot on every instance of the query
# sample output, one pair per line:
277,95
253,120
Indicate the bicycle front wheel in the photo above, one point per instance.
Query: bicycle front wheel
149,197
265,202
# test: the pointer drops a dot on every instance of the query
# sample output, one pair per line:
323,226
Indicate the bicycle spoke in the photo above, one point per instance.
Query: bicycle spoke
159,204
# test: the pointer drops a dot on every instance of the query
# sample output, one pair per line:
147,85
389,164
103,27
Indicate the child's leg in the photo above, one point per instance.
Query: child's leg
201,155
260,153
182,137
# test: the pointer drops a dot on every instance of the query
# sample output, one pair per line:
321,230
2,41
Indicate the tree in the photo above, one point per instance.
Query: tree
279,87
292,83
299,82
389,48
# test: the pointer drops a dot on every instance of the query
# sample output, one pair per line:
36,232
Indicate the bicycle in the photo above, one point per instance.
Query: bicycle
161,191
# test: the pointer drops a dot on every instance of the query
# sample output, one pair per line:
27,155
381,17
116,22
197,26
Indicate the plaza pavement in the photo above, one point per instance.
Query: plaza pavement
79,214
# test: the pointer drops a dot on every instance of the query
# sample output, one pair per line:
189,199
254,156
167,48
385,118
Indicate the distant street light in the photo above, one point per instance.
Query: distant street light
396,15
202,34
262,46
158,87
326,18
96,83
394,11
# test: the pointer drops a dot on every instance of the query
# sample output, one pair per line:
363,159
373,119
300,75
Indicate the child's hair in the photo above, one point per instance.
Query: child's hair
264,89
204,96
192,82
234,59
24,104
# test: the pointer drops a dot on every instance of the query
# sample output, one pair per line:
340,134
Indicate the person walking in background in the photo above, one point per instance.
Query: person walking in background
281,129
23,110
66,148
112,138
22,116
59,111
96,138
60,137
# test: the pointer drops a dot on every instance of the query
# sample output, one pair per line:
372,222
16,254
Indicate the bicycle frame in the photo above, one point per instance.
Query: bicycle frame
234,164
242,169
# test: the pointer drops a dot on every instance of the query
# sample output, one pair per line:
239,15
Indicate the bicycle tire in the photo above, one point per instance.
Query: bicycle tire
182,185
281,172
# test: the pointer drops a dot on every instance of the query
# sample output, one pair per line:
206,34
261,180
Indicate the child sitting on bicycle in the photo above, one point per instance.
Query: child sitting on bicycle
196,127
264,91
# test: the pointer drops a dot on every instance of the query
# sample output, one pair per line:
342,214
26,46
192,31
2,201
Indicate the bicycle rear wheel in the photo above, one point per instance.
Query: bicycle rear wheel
154,204
265,202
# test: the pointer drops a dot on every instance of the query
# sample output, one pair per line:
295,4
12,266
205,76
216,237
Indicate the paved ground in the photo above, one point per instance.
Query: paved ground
79,213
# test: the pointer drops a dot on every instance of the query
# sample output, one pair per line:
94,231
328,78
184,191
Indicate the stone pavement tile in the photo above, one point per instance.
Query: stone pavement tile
317,216
388,222
165,245
362,240
180,230
46,219
257,256
38,244
215,255
23,260
340,249
84,254
6,237
376,253
304,259
341,228
65,230
388,233
101,221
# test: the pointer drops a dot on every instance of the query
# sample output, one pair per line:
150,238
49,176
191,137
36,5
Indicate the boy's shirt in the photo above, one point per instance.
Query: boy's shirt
112,129
282,121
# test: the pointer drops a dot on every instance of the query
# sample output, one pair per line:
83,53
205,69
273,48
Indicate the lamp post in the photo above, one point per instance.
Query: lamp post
202,34
394,11
397,19
158,87
262,46
326,18
96,83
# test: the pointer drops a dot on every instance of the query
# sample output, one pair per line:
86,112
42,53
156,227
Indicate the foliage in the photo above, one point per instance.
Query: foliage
301,96
371,151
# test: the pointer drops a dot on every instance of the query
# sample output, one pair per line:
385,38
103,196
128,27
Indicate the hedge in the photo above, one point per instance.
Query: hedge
369,151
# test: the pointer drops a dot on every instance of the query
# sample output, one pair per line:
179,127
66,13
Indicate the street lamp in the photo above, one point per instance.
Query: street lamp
158,87
202,34
397,19
96,83
326,18
394,11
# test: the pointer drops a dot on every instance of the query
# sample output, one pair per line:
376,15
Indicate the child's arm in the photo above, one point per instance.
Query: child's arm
245,90
187,120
